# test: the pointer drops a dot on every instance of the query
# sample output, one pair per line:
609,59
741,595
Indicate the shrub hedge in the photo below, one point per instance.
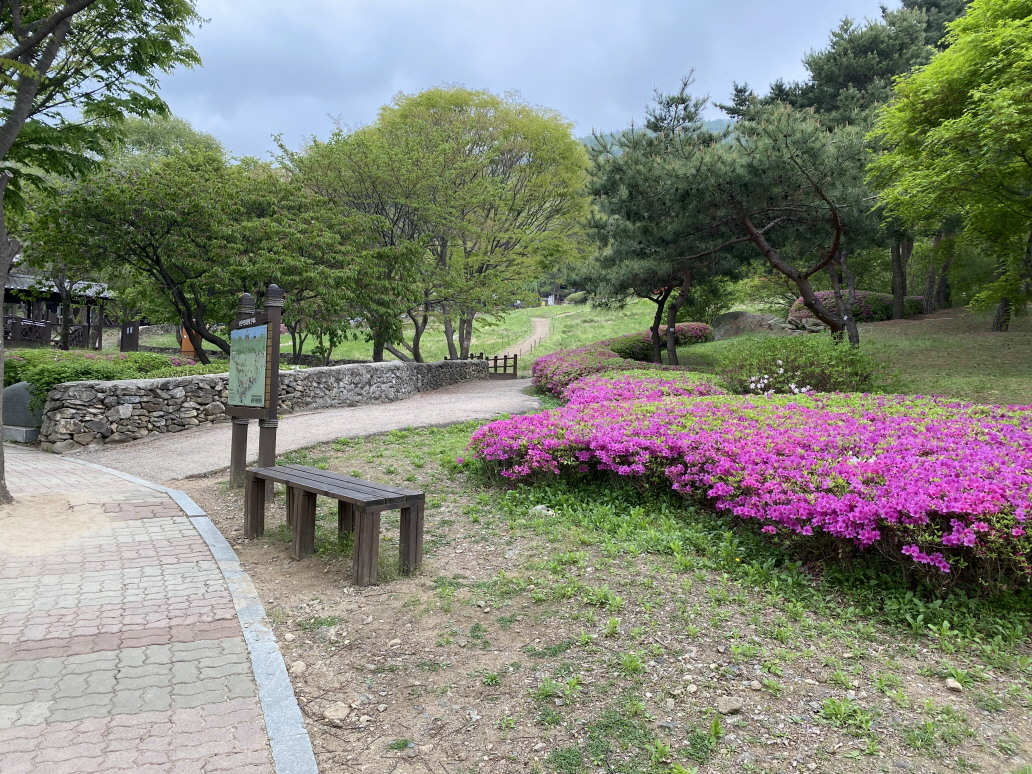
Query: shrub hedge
555,372
795,364
865,306
942,487
44,369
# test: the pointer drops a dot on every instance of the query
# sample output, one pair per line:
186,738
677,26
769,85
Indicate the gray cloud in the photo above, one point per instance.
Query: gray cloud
293,68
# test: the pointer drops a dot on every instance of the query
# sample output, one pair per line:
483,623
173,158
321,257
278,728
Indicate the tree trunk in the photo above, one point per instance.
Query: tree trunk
1001,322
401,355
672,312
465,334
419,323
901,251
657,320
848,321
297,341
196,341
64,289
928,302
449,334
942,288
9,248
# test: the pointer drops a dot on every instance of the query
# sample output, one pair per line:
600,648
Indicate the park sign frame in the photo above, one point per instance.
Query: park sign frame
261,398
257,372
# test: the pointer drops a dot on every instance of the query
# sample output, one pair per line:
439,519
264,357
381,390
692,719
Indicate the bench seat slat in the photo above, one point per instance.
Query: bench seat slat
362,492
356,486
394,490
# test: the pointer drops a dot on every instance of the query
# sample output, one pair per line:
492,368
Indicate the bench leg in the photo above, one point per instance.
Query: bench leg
291,505
304,524
254,506
411,539
367,548
345,519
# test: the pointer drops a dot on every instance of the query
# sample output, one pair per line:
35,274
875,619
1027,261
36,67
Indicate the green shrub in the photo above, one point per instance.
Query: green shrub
45,376
46,368
580,297
17,362
795,364
865,307
218,367
146,362
554,372
633,346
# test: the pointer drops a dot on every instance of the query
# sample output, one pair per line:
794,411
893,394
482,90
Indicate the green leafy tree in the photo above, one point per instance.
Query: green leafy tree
490,188
849,79
69,70
194,231
650,241
958,135
360,173
780,188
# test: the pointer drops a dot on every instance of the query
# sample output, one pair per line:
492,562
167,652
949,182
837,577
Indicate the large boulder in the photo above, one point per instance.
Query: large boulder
20,420
731,324
18,411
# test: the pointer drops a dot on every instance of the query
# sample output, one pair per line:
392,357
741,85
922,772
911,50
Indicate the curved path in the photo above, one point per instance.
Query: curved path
542,330
170,457
130,639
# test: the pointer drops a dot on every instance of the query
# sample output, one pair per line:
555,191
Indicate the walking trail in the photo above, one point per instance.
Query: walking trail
542,330
174,456
131,641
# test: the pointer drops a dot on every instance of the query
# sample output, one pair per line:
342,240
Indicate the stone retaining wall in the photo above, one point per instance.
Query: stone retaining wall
80,414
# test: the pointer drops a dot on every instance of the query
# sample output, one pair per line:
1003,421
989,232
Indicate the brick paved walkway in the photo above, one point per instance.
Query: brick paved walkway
120,645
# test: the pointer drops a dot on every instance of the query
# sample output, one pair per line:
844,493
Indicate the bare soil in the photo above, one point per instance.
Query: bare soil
516,652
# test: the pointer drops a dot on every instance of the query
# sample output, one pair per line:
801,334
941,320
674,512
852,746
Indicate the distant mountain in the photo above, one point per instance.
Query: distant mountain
716,125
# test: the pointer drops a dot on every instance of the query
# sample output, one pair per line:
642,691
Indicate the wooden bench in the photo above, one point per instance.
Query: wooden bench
359,505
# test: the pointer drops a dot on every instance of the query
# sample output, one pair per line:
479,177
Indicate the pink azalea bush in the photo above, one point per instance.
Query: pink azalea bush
638,346
945,485
637,385
865,306
555,372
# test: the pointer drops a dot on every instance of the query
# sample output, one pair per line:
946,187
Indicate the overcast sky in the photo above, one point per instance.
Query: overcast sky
272,67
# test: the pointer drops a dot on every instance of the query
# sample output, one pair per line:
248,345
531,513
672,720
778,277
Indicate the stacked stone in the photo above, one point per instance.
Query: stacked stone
81,414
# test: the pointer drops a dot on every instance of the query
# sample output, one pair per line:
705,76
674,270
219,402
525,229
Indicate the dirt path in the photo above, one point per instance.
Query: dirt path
542,330
164,458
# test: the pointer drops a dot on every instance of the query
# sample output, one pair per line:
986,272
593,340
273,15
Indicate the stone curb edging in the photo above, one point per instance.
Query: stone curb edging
291,746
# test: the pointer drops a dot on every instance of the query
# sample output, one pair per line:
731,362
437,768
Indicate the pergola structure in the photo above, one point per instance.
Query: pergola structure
33,312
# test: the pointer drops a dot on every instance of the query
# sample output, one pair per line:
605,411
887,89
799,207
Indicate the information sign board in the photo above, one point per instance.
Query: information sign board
249,366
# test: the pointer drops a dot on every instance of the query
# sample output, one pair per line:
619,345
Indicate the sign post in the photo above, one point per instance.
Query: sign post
254,379
129,340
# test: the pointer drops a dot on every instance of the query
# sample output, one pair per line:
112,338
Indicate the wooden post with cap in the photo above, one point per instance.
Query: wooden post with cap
267,425
238,439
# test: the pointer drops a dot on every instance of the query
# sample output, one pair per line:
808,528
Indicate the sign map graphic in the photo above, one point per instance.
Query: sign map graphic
248,365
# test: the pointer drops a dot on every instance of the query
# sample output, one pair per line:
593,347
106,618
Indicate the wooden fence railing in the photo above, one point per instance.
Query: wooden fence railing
498,366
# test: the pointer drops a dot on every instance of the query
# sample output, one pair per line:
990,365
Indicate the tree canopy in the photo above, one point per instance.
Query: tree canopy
491,188
70,70
958,135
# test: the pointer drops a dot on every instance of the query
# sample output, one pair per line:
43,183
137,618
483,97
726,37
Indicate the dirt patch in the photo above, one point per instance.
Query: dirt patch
515,651
38,525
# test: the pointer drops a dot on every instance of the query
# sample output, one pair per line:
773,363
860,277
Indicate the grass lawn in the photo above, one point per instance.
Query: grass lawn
951,353
954,353
594,627
568,627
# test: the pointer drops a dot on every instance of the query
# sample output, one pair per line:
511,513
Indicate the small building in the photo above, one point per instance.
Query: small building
33,312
